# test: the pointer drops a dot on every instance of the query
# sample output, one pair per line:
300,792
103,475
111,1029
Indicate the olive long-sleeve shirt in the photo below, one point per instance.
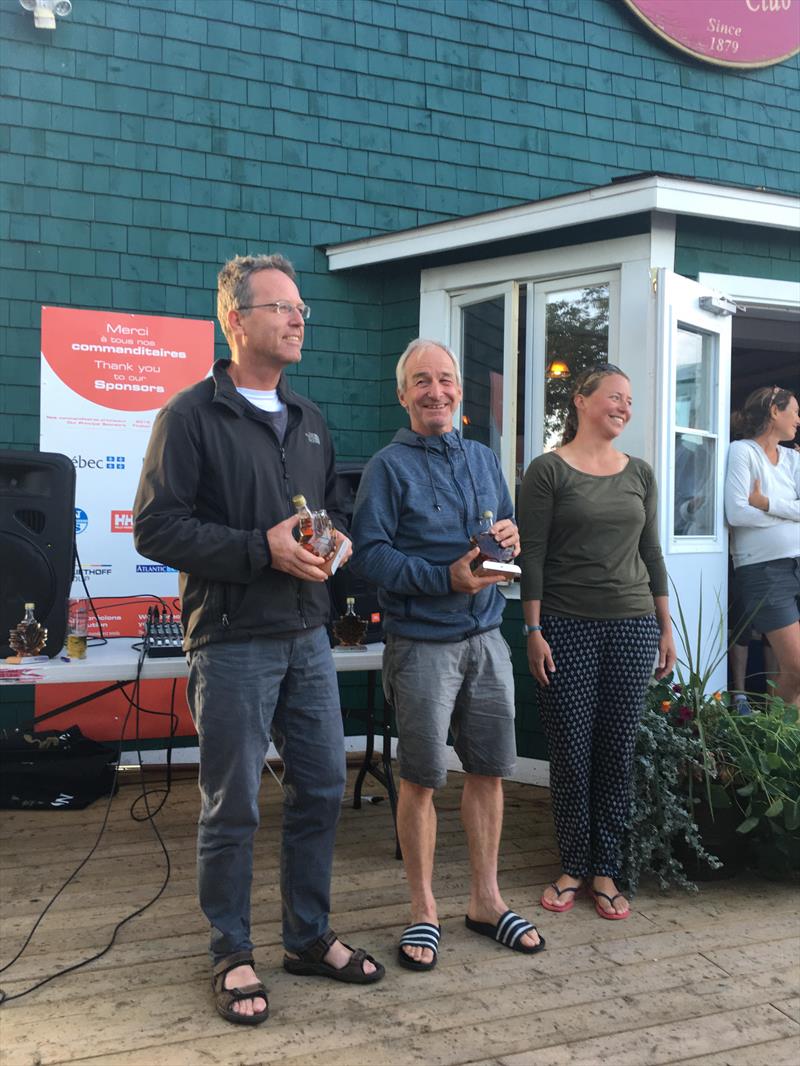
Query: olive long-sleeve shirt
590,544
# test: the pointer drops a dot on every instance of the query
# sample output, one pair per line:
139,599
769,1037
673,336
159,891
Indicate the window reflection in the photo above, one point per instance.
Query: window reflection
482,344
576,335
695,452
522,375
694,402
695,470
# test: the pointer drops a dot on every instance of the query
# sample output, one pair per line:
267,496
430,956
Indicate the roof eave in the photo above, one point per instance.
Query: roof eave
655,192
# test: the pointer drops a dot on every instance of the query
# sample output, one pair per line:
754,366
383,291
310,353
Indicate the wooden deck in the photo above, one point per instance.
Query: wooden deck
709,980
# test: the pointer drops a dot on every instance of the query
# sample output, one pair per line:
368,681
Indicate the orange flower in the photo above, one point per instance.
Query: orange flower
717,696
665,705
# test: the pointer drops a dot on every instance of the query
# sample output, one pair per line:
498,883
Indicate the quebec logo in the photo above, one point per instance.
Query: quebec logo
122,521
109,462
154,568
81,520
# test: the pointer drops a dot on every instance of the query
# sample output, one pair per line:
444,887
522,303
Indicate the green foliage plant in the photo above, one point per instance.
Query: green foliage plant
694,749
661,815
750,762
760,754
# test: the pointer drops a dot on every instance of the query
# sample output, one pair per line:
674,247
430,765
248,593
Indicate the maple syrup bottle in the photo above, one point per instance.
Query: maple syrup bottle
490,550
28,637
349,630
316,528
306,525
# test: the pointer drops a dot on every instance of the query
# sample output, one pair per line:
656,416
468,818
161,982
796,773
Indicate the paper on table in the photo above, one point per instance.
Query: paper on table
13,675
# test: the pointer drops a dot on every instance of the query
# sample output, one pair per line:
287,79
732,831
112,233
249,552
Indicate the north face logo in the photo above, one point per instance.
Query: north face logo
312,438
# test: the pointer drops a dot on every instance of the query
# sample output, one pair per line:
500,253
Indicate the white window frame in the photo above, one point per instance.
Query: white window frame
694,542
678,306
445,290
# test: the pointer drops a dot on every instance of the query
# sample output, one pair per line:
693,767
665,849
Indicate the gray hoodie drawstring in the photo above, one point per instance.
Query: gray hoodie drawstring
471,478
436,504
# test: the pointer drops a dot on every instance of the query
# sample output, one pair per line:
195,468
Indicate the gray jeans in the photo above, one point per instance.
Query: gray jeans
240,694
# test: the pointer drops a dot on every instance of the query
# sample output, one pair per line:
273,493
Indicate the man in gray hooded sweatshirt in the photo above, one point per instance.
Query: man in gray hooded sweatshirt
446,665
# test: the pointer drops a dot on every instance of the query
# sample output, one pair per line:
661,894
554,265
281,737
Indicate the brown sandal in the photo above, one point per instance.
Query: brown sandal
310,963
224,998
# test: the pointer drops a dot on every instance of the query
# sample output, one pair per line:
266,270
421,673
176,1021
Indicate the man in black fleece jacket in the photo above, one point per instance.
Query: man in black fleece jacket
215,501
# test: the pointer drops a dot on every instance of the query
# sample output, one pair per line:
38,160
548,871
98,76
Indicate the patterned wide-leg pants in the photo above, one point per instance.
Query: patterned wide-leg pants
591,710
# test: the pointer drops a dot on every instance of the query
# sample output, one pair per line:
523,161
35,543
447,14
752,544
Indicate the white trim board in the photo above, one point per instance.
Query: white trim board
651,193
528,771
537,266
761,291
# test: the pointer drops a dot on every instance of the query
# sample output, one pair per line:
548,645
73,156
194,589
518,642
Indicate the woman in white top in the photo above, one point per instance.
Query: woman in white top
762,505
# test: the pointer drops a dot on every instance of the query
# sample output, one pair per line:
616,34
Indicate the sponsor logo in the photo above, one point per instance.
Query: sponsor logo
100,462
312,438
81,520
94,570
122,521
154,568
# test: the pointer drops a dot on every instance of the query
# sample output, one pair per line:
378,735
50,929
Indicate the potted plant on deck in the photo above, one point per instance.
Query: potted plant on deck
712,790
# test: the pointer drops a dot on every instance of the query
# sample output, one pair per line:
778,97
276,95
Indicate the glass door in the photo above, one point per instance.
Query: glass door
485,328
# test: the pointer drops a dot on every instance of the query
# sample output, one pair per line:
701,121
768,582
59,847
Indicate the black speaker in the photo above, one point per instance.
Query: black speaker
344,583
37,542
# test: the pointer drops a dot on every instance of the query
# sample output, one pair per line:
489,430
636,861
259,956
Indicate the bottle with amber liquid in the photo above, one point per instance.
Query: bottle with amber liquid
306,523
493,557
28,637
316,528
77,633
350,629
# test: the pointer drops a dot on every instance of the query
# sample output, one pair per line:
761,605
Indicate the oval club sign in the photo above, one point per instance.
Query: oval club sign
730,33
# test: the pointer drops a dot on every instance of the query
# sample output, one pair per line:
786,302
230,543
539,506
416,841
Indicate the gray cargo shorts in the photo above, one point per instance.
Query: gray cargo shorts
466,687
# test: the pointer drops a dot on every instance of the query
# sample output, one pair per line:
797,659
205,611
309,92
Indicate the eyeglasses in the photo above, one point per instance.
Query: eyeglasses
281,307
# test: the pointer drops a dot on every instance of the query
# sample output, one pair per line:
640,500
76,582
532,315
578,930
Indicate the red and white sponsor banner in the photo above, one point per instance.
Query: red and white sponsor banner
104,377
731,33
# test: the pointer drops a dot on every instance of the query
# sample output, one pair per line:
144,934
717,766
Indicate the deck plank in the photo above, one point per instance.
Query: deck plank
687,976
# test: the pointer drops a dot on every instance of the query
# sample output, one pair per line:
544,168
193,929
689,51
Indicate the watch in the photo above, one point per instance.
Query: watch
527,630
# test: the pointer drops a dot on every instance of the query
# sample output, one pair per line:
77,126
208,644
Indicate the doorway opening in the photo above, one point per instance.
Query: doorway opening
765,351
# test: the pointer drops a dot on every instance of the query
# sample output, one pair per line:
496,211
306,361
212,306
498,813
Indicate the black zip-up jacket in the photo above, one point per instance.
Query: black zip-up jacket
214,480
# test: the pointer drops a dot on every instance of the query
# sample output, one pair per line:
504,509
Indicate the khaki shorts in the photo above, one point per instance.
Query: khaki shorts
465,688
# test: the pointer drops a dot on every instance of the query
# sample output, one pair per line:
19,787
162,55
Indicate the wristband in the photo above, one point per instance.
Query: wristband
527,630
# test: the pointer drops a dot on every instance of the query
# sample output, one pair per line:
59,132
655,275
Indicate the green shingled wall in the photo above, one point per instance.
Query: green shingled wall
145,141
703,244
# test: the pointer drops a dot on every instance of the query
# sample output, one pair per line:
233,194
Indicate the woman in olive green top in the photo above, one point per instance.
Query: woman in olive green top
594,591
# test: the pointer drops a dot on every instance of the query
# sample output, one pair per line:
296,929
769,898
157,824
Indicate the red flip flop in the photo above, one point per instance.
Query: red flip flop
612,915
556,905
